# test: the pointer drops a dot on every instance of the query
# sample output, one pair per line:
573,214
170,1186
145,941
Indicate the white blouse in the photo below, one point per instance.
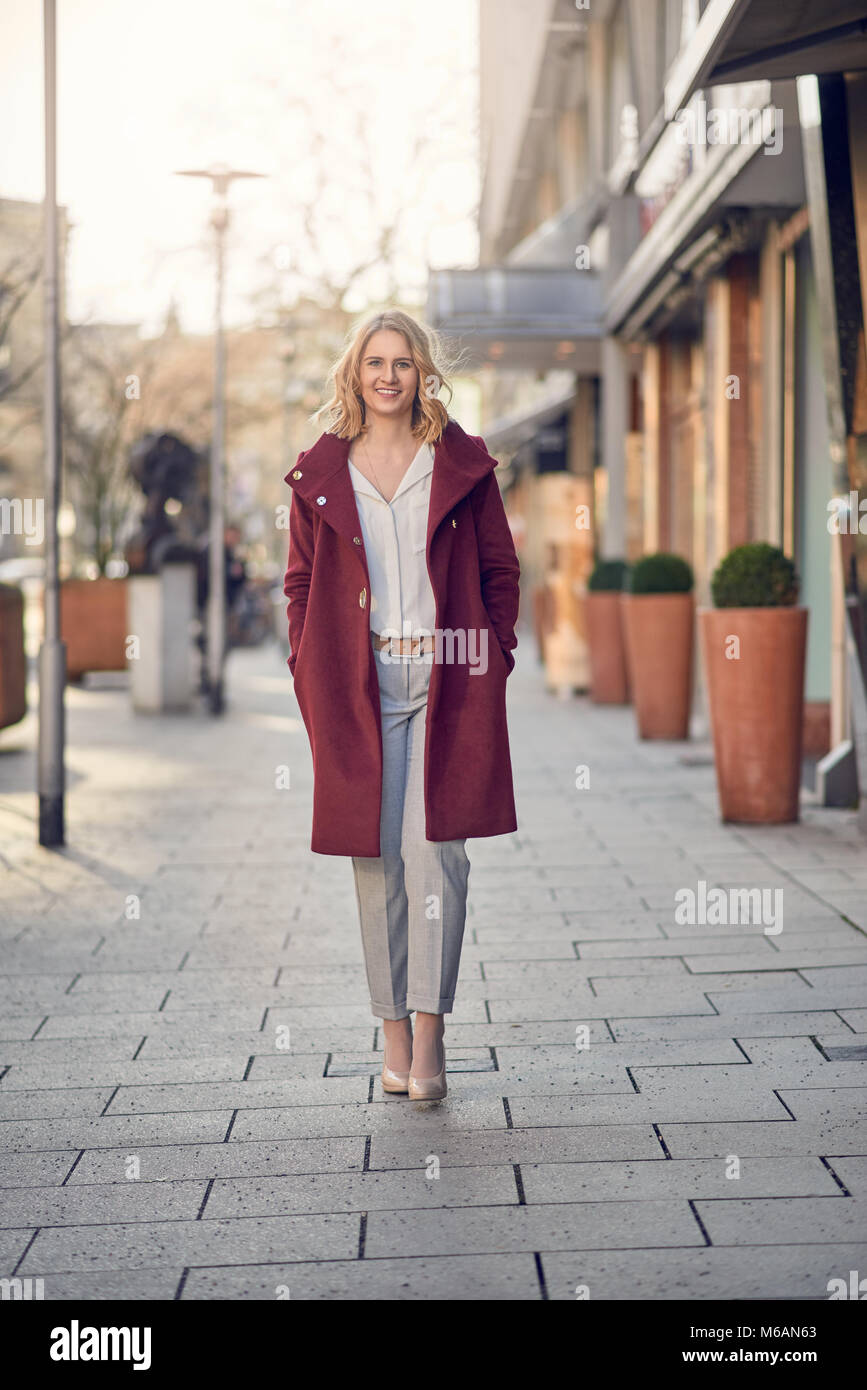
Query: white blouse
395,536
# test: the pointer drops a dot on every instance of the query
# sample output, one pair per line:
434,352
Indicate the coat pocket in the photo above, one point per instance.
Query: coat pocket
295,657
503,658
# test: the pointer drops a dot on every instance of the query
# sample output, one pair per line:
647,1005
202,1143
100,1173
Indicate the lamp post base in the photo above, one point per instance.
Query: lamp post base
51,827
216,697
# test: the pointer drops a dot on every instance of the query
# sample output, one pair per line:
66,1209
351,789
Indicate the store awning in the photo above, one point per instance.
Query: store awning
520,317
512,432
751,40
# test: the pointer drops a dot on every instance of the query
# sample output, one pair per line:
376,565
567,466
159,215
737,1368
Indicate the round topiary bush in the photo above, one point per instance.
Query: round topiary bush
661,574
608,575
755,576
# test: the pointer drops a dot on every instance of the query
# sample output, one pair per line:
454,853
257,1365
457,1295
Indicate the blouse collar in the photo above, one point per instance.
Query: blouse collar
421,465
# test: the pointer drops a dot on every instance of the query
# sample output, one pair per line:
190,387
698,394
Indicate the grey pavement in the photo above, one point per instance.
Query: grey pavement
639,1107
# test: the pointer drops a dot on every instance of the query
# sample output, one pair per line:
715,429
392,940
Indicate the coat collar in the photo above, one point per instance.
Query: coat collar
460,462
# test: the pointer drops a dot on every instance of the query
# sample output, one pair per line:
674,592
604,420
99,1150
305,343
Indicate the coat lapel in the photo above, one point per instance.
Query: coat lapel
321,477
459,463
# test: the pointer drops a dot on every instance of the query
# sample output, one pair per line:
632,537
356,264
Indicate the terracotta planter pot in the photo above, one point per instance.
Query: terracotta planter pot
757,709
659,649
817,728
609,680
13,665
93,625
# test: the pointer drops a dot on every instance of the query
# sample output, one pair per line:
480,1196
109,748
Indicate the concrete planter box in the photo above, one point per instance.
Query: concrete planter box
162,610
659,649
757,709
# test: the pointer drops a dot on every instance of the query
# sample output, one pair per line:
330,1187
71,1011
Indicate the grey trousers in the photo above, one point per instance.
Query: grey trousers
412,899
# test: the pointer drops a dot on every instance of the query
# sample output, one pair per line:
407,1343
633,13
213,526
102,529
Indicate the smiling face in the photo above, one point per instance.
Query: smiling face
389,377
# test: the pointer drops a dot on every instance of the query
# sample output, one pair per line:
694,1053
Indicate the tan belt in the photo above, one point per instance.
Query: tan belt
403,646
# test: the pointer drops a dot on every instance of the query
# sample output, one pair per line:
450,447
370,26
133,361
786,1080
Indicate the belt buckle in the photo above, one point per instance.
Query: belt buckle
416,646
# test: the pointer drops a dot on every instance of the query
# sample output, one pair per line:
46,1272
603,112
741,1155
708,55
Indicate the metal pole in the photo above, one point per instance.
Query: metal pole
52,653
221,177
217,586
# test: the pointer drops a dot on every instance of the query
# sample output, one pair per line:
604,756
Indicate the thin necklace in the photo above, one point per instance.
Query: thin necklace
373,471
375,478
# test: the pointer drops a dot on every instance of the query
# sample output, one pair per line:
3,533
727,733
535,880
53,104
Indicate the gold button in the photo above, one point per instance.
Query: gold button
356,540
297,473
362,599
454,524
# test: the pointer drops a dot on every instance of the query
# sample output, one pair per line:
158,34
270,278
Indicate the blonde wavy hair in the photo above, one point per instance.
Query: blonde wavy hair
345,409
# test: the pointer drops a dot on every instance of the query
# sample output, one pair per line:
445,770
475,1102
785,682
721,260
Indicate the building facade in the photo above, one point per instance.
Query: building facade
667,315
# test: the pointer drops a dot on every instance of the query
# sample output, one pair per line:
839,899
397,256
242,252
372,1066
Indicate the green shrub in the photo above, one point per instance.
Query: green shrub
661,574
755,576
608,575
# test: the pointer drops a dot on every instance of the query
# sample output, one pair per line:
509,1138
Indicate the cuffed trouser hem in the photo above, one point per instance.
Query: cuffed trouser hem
393,1012
430,1006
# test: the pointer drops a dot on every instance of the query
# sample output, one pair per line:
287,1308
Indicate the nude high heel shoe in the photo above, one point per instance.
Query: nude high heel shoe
395,1081
429,1087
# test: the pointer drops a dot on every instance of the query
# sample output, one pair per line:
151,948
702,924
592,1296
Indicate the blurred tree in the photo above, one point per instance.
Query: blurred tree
106,371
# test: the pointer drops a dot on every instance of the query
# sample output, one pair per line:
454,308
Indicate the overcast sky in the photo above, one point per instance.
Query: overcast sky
146,89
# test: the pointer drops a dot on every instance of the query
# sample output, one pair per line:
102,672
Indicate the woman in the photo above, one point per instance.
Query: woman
402,583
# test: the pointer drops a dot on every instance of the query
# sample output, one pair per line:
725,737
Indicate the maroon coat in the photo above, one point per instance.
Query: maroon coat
474,574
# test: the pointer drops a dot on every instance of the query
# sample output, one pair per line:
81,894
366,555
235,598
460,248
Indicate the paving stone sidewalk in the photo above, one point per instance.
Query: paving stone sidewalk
189,1099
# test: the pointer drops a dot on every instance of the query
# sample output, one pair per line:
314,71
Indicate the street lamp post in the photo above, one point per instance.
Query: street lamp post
52,652
220,177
